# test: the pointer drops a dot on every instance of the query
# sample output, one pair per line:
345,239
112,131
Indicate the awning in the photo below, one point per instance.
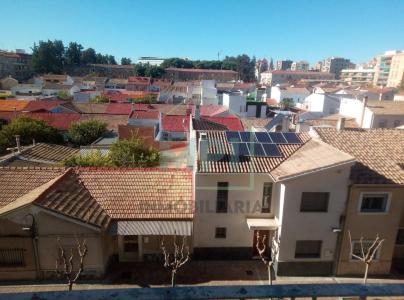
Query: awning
151,228
262,224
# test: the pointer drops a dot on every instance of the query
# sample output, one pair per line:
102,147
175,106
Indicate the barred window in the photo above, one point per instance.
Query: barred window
12,257
222,197
314,202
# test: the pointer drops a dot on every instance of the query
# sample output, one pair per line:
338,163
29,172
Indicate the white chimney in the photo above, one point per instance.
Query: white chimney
341,124
285,124
203,146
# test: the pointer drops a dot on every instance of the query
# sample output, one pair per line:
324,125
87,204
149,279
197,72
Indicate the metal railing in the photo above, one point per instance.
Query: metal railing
289,291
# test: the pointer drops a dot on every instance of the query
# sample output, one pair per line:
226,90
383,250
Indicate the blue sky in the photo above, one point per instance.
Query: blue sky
298,29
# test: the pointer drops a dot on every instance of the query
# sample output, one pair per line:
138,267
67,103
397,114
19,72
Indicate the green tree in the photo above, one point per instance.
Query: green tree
28,129
149,99
89,56
73,54
126,61
133,153
64,95
99,99
176,62
140,69
86,132
48,57
154,71
92,159
287,102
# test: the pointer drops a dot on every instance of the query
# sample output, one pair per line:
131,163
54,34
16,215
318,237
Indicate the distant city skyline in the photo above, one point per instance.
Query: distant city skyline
296,30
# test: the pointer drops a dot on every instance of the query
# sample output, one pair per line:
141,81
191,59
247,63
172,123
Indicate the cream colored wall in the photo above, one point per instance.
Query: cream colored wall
368,225
49,228
245,190
298,225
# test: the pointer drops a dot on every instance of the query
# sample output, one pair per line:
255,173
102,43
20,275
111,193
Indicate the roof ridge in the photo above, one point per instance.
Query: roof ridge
128,169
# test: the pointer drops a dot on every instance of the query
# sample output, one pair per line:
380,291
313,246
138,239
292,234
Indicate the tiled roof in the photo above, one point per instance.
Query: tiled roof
218,144
16,182
61,121
96,195
141,193
332,121
13,105
139,80
68,196
144,115
231,122
250,122
44,105
112,121
91,108
175,123
119,108
211,110
48,152
379,152
204,124
386,107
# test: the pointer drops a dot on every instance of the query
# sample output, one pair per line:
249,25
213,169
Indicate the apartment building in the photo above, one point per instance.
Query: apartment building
300,66
374,204
396,74
242,189
15,64
284,64
382,68
153,61
358,76
335,65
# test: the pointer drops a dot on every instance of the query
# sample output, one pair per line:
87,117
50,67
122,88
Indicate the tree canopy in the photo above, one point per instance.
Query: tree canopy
243,64
126,61
124,153
53,57
148,70
86,132
28,129
99,99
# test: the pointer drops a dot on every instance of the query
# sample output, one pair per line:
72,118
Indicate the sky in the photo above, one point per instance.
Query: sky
200,29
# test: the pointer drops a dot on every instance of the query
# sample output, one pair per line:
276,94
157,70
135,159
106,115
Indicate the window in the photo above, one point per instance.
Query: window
222,197
374,203
266,197
382,123
220,233
12,258
308,249
314,202
400,237
396,123
356,249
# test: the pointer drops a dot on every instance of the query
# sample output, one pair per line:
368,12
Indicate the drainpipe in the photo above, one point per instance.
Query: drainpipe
33,232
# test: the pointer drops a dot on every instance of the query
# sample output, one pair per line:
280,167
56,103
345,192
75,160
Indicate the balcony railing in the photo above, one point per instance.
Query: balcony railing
290,291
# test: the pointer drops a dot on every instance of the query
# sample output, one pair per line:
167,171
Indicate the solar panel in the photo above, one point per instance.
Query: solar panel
277,137
263,137
292,138
271,150
256,149
247,137
240,149
233,136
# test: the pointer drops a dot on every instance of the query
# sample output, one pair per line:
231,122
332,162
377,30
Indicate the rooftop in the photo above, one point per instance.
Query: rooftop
13,105
386,107
185,70
379,153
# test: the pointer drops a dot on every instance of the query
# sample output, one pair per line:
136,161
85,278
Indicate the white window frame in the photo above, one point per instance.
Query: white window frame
374,213
375,258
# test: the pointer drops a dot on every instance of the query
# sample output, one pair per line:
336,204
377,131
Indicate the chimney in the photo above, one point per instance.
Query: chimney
33,142
285,123
380,96
203,146
341,124
197,112
18,143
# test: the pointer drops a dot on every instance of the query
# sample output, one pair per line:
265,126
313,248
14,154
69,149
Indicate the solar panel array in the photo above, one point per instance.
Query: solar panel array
260,144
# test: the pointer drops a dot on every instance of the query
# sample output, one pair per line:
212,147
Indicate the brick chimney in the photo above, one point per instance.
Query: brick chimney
341,124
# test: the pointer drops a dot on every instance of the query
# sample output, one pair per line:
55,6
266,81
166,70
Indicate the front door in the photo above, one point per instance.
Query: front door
128,248
262,233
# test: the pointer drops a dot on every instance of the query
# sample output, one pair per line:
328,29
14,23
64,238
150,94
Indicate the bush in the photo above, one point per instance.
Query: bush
28,129
148,99
99,99
132,153
93,159
64,95
86,132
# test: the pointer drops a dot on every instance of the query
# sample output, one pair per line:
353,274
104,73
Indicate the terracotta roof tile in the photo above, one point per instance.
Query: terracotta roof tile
13,105
379,152
218,145
175,123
